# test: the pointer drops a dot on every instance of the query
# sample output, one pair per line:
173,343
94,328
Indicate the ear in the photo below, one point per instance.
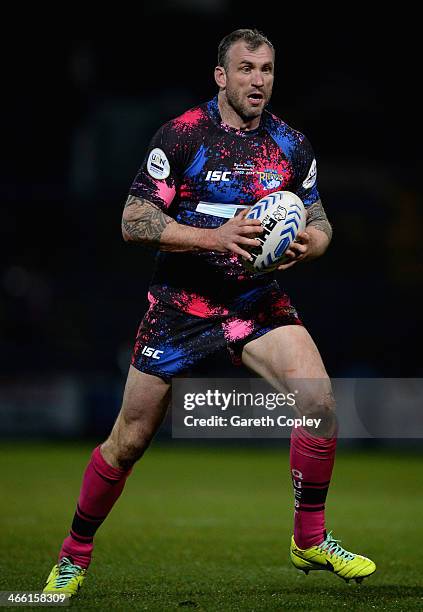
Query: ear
220,76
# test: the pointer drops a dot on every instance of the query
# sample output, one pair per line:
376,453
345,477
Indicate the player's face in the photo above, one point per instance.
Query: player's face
249,79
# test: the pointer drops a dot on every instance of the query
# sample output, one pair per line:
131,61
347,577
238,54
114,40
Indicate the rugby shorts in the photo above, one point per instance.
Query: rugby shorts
170,342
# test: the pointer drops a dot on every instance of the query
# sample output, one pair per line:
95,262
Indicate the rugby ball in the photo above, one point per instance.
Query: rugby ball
282,214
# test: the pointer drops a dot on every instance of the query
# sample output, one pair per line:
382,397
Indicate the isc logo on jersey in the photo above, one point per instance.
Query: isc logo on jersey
218,175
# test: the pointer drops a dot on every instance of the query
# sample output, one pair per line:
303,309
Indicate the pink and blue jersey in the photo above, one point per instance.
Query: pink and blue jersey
202,172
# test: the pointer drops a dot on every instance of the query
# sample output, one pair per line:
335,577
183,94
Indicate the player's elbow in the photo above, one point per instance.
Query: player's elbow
126,234
136,231
133,230
327,236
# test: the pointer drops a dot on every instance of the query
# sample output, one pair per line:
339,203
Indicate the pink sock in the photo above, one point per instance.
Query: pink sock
101,486
311,461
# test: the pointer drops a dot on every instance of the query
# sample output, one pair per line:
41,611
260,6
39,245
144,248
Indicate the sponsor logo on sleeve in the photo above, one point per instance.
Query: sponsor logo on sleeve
158,165
311,176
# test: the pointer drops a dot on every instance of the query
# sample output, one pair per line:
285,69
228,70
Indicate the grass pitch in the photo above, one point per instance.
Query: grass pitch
209,529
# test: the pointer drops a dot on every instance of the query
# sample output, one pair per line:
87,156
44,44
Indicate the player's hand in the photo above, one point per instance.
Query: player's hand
236,233
298,250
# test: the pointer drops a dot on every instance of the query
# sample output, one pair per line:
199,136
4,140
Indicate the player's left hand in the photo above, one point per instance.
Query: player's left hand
298,251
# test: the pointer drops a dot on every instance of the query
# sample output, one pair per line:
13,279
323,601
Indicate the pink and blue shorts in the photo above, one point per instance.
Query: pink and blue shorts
171,340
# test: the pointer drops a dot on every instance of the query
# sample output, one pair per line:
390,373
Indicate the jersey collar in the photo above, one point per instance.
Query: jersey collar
213,110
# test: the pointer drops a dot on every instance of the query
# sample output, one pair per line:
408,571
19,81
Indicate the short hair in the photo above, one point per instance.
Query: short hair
252,38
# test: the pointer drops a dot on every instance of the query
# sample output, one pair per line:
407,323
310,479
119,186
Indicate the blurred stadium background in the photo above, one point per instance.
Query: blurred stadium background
83,104
85,97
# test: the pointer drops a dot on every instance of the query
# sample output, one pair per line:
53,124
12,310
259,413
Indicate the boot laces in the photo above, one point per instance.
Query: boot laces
67,571
333,547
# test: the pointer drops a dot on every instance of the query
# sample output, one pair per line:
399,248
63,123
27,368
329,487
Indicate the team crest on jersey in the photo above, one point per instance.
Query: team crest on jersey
311,176
158,165
270,179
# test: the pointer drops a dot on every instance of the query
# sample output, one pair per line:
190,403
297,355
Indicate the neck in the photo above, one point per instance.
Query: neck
230,116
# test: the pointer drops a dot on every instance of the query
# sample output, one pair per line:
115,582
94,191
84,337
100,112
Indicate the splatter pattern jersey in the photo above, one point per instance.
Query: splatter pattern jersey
202,172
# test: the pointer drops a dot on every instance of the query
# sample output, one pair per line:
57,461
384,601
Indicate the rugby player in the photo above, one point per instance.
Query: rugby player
189,200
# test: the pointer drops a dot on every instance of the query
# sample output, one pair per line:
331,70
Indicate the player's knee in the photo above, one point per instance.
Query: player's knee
320,409
320,405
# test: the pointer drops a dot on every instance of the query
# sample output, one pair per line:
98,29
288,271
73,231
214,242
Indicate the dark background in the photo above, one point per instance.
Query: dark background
84,97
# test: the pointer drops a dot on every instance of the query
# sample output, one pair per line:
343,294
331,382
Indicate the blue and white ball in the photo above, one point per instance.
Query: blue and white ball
283,215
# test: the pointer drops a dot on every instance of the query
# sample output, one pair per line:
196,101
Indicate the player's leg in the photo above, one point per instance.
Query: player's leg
288,359
168,342
145,402
144,405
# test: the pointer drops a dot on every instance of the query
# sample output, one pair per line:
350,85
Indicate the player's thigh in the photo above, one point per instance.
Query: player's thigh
145,402
289,360
283,353
146,397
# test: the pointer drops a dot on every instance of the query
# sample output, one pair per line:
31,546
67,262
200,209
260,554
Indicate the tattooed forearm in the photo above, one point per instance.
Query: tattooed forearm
143,222
316,217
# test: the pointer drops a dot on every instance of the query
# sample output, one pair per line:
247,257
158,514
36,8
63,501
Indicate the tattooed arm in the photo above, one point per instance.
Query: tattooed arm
318,229
314,241
145,223
317,219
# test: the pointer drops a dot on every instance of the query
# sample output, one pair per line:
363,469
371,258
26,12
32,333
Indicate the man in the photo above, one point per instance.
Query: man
190,199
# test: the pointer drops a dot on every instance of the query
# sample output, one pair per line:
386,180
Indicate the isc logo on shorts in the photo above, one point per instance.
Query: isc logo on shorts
148,351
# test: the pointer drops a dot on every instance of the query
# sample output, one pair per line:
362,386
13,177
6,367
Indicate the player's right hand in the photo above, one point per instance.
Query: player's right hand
239,231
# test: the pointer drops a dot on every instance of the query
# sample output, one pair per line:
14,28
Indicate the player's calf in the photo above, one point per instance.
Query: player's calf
127,443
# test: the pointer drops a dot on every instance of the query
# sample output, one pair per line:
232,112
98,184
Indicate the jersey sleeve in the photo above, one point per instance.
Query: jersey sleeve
306,174
161,172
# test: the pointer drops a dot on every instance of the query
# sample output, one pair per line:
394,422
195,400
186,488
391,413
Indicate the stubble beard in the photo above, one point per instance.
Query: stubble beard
234,99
